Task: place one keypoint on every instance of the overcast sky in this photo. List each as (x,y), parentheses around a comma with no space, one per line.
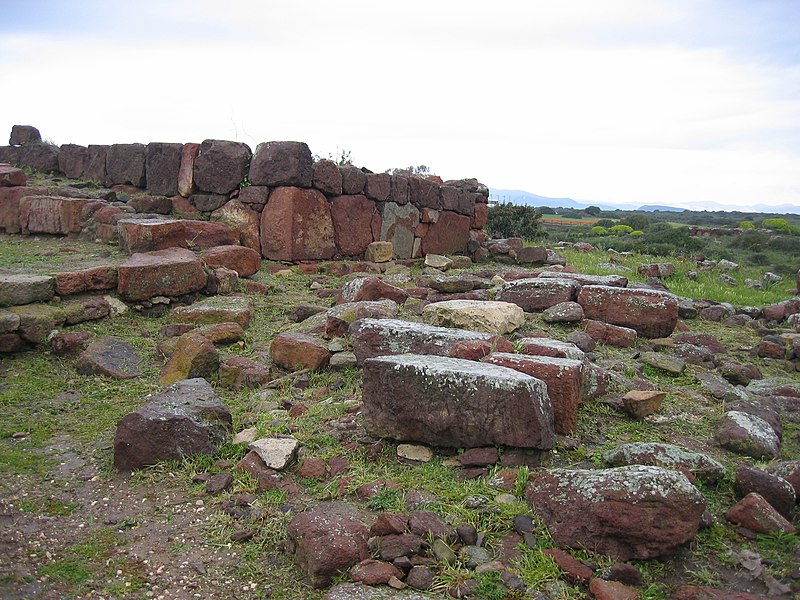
(643,101)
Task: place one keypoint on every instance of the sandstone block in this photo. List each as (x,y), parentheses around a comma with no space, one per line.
(126,164)
(296,224)
(484,316)
(245,261)
(537,294)
(651,313)
(356,224)
(220,166)
(162,166)
(282,164)
(171,272)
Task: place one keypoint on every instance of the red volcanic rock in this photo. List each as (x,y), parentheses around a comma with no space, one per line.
(12,176)
(354,223)
(186,185)
(125,163)
(651,313)
(163,162)
(448,235)
(298,351)
(171,272)
(220,166)
(296,224)
(245,261)
(87,280)
(143,235)
(282,164)
(50,214)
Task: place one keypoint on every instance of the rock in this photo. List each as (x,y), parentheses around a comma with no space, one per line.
(774,489)
(143,235)
(659,270)
(9,321)
(51,214)
(12,176)
(327,540)
(95,169)
(538,294)
(86,280)
(699,592)
(582,279)
(437,261)
(358,591)
(414,452)
(563,312)
(487,317)
(455,403)
(282,163)
(612,590)
(242,220)
(651,313)
(611,335)
(37,321)
(564,379)
(189,154)
(382,337)
(747,434)
(24,135)
(790,471)
(478,457)
(111,358)
(666,455)
(756,514)
(429,525)
(398,224)
(394,546)
(379,252)
(326,177)
(378,186)
(574,570)
(237,373)
(25,289)
(277,452)
(212,311)
(245,261)
(296,351)
(185,419)
(356,224)
(374,572)
(11,342)
(172,272)
(162,165)
(642,403)
(220,166)
(125,164)
(630,512)
(420,577)
(448,235)
(727,265)
(40,157)
(664,362)
(194,356)
(65,344)
(353,179)
(296,224)
(539,346)
(457,283)
(371,288)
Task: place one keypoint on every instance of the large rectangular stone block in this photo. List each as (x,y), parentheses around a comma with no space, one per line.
(455,403)
(536,294)
(651,313)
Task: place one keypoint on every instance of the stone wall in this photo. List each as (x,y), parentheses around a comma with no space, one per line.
(296,208)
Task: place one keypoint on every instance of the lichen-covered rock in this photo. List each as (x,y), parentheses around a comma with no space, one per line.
(109,357)
(664,362)
(666,455)
(219,309)
(171,272)
(537,294)
(194,356)
(25,289)
(564,379)
(185,419)
(379,252)
(12,176)
(242,220)
(540,346)
(398,224)
(773,488)
(651,313)
(383,337)
(563,312)
(747,434)
(634,512)
(370,289)
(143,235)
(51,214)
(582,279)
(327,540)
(756,514)
(454,402)
(9,321)
(37,321)
(86,280)
(611,335)
(790,471)
(487,317)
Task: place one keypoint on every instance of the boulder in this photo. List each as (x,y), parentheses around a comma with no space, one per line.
(774,489)
(635,512)
(72,160)
(282,164)
(86,280)
(40,157)
(356,224)
(564,379)
(327,540)
(747,434)
(666,455)
(126,164)
(296,351)
(326,177)
(245,261)
(194,356)
(398,224)
(25,289)
(185,419)
(486,317)
(95,169)
(23,135)
(172,272)
(186,185)
(382,337)
(145,235)
(228,309)
(51,214)
(220,166)
(455,403)
(651,313)
(448,235)
(111,358)
(243,221)
(163,164)
(296,224)
(537,294)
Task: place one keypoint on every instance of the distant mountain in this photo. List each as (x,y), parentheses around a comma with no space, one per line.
(522,197)
(661,207)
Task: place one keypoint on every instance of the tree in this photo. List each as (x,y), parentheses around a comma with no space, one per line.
(512,220)
(592,210)
(637,221)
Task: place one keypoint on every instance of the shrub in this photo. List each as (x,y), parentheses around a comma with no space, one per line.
(746,225)
(637,233)
(620,229)
(598,230)
(776,224)
(512,220)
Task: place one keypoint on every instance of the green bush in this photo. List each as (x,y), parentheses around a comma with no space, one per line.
(776,224)
(620,229)
(598,230)
(746,225)
(513,220)
(637,233)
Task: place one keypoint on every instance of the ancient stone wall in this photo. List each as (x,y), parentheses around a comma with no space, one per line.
(295,208)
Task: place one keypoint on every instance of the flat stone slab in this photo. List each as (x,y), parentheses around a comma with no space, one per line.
(536,346)
(455,403)
(172,272)
(583,279)
(384,337)
(536,294)
(144,235)
(111,358)
(26,289)
(665,455)
(475,315)
(651,313)
(214,310)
